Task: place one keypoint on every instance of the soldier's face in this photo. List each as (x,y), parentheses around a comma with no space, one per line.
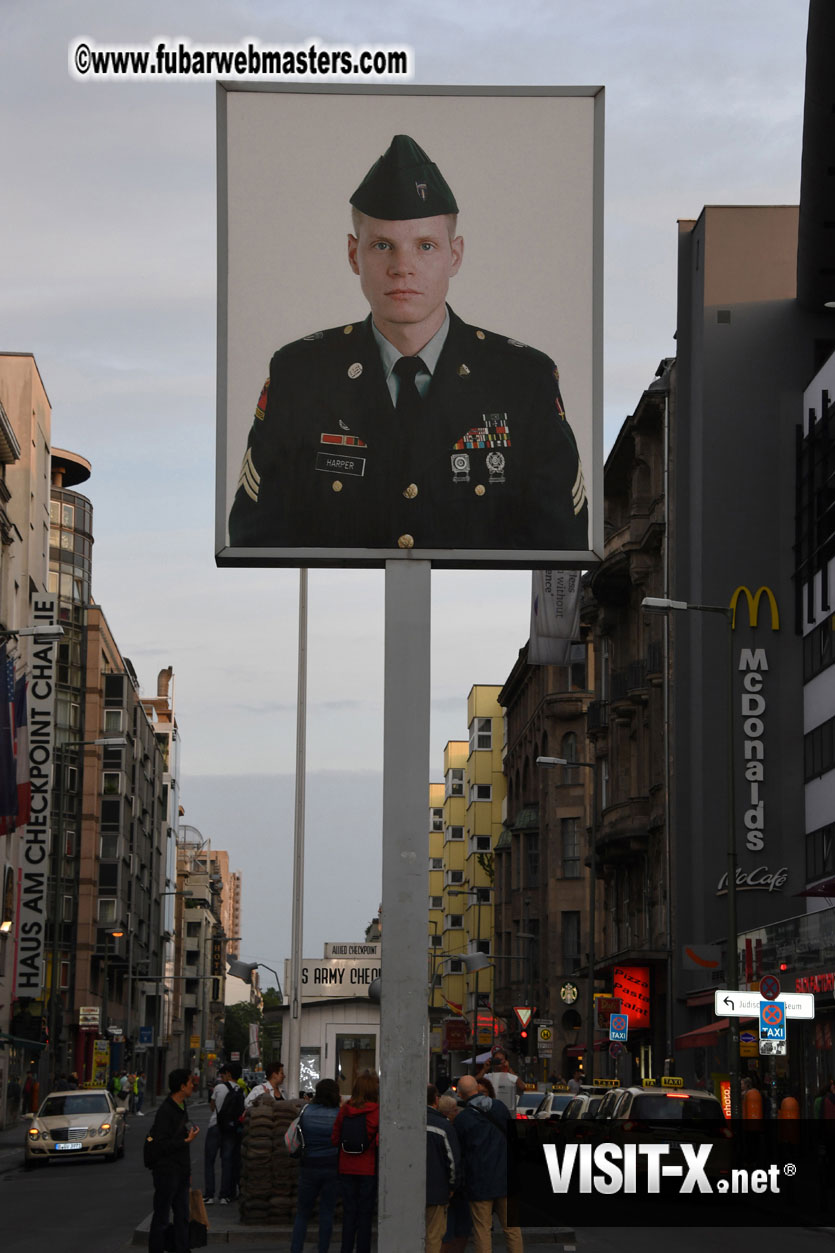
(404,269)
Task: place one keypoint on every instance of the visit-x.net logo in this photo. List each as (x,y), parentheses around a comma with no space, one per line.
(644,1169)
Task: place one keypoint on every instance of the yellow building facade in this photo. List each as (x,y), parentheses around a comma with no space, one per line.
(471,802)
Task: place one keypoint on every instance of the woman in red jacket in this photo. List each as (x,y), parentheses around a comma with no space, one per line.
(356,1131)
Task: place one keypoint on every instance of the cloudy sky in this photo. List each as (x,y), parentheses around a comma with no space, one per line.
(108,277)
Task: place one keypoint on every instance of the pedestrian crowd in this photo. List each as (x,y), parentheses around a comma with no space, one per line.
(469,1171)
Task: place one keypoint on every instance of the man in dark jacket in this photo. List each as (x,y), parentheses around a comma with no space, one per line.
(443,1165)
(482,1128)
(168,1141)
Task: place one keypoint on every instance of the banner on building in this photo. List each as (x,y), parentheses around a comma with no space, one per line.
(33,873)
(555,616)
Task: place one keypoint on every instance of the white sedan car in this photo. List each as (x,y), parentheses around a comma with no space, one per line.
(80,1123)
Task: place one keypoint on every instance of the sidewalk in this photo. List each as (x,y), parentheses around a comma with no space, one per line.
(225,1229)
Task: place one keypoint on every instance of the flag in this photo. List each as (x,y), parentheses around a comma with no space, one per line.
(20,747)
(458,1009)
(8,776)
(555,616)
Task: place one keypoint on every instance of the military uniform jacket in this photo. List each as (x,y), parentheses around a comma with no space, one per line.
(490,462)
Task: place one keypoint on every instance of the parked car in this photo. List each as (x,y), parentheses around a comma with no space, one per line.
(672,1117)
(527,1104)
(553,1105)
(84,1123)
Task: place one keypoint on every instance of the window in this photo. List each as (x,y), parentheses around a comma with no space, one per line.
(69,844)
(64,975)
(569,752)
(455,966)
(482,896)
(454,833)
(570,848)
(818,649)
(531,859)
(819,750)
(454,920)
(437,820)
(480,844)
(481,734)
(481,792)
(436,902)
(114,721)
(107,910)
(111,782)
(454,876)
(436,863)
(66,909)
(455,782)
(435,940)
(480,946)
(109,845)
(570,941)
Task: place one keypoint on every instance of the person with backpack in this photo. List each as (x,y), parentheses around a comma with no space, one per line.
(167,1154)
(356,1132)
(318,1175)
(228,1104)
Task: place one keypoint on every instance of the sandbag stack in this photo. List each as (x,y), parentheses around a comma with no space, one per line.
(269,1181)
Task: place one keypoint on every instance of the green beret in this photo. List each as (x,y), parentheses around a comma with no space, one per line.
(404,184)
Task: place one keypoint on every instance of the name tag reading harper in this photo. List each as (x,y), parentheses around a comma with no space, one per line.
(332,464)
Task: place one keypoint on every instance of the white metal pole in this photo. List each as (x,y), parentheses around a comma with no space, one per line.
(403,1025)
(294,1022)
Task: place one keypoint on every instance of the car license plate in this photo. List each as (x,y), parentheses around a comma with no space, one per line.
(64,1148)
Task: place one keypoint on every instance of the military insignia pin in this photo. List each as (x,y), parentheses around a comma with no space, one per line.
(460,462)
(355,370)
(495,464)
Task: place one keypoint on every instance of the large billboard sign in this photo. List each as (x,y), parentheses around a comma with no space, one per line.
(459,230)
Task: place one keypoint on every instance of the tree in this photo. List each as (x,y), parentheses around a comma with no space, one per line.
(236,1028)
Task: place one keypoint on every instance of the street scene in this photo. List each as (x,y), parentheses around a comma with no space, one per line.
(417,734)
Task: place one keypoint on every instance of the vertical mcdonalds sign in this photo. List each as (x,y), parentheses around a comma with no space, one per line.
(33,874)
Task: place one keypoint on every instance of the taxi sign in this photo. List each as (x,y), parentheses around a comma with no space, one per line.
(605,1083)
(671,1081)
(618,1027)
(772,1021)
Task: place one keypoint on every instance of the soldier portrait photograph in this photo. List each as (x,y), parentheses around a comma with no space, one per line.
(408,427)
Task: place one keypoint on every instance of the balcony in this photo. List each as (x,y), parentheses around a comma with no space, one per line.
(629,685)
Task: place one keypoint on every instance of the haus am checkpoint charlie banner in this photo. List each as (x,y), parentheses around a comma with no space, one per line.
(409,326)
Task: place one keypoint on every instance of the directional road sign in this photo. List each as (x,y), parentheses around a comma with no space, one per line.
(747,1004)
(618,1027)
(772,1021)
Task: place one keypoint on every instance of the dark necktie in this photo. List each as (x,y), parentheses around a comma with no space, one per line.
(409,402)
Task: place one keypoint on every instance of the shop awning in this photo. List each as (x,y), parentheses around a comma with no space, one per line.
(577,1050)
(703,1037)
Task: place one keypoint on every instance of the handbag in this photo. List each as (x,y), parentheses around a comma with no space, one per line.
(294,1137)
(197,1207)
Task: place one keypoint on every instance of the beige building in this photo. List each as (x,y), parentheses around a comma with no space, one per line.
(25,435)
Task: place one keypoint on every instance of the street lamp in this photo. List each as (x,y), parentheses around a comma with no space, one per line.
(41,633)
(662,604)
(592,766)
